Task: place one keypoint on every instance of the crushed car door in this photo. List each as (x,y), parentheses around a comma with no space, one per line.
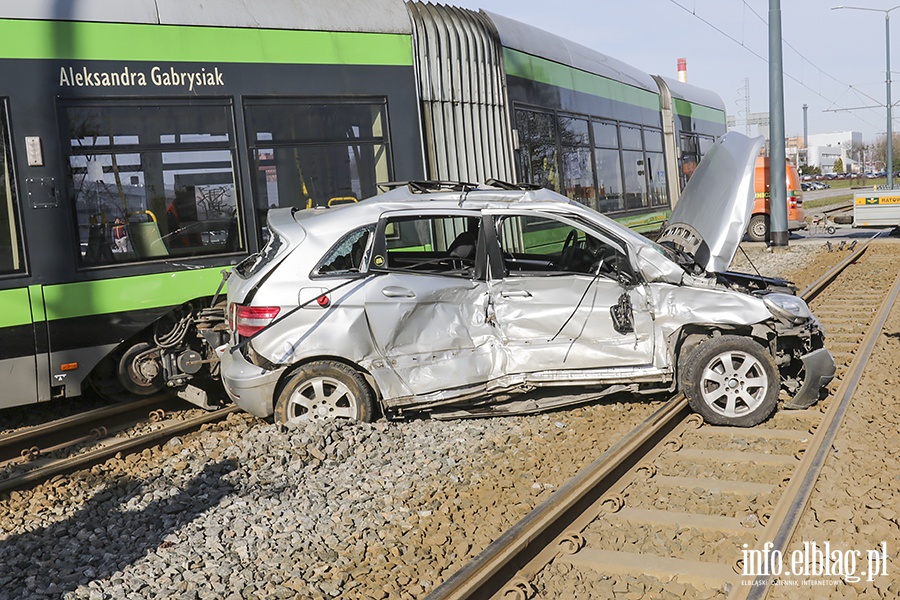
(564,297)
(427,310)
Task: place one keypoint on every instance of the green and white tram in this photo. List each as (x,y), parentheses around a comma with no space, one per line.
(142,143)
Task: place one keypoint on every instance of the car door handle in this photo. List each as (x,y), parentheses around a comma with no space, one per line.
(394,291)
(516,294)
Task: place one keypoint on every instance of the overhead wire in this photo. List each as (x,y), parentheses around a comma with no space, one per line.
(711,25)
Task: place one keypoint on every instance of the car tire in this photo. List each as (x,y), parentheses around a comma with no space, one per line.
(758,228)
(325,390)
(730,380)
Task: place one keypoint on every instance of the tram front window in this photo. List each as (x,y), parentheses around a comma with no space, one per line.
(150,182)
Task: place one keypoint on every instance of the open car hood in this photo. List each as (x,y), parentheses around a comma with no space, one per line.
(711,216)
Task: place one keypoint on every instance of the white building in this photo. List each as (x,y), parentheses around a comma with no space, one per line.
(825,148)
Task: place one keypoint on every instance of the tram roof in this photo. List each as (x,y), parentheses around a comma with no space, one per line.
(374,16)
(692,93)
(537,42)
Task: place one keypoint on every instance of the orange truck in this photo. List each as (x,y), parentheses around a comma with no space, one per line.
(758,229)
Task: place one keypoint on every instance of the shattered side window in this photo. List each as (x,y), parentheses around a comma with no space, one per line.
(348,255)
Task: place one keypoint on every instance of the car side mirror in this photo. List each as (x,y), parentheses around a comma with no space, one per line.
(623,274)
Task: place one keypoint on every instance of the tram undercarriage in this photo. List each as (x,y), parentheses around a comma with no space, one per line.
(178,355)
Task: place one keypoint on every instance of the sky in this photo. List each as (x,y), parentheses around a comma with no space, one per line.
(834,60)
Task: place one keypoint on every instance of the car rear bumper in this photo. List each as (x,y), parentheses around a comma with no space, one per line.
(251,387)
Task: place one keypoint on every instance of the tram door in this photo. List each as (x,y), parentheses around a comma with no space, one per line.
(19,346)
(19,355)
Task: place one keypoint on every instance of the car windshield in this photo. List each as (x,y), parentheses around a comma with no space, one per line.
(597,218)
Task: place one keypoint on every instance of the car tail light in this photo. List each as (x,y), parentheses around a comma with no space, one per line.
(247,320)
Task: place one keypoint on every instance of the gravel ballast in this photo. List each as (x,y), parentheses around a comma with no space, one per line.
(251,509)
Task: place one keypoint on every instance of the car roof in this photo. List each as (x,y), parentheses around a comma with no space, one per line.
(410,196)
(336,221)
(467,194)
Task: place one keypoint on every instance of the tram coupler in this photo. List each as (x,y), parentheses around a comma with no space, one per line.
(197,397)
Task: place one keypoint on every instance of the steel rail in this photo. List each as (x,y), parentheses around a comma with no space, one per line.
(111,448)
(33,443)
(816,287)
(787,513)
(487,573)
(497,565)
(51,427)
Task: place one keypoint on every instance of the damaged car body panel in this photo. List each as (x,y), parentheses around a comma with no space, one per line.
(711,217)
(460,302)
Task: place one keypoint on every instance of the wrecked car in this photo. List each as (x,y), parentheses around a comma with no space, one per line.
(454,300)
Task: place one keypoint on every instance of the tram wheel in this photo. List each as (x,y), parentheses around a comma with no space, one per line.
(141,373)
(104,381)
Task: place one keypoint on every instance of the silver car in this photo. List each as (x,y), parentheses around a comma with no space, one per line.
(457,300)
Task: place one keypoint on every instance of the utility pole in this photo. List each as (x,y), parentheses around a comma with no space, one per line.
(778,231)
(805,137)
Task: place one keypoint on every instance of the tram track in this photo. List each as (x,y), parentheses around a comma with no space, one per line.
(680,501)
(34,454)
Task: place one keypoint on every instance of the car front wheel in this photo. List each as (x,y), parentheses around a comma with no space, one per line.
(325,390)
(730,380)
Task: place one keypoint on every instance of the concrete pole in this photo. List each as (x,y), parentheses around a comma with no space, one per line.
(805,127)
(805,137)
(887,76)
(778,232)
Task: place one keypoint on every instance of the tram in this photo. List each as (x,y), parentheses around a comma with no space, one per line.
(142,143)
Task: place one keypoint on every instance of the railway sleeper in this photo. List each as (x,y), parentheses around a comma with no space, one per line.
(700,574)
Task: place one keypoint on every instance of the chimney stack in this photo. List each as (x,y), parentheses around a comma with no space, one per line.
(682,70)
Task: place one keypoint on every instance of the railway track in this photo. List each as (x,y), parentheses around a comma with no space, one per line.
(37,453)
(678,505)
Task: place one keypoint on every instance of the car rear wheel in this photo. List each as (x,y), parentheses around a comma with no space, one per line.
(730,380)
(325,390)
(758,228)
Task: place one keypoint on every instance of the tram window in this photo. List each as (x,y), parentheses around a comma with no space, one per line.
(610,196)
(574,132)
(656,178)
(538,148)
(655,167)
(609,180)
(151,182)
(576,158)
(606,135)
(631,138)
(635,181)
(317,153)
(10,238)
(690,156)
(705,144)
(653,140)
